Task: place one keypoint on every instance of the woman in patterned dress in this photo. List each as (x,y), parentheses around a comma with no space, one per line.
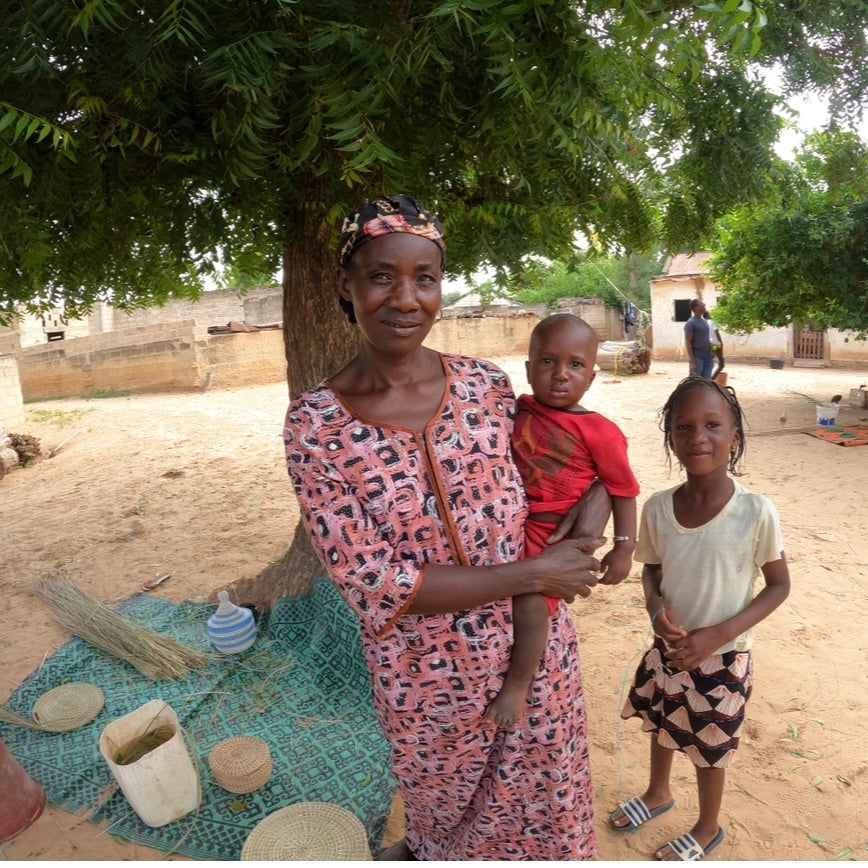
(402,466)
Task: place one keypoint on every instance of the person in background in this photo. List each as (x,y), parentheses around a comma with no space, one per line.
(697,341)
(704,544)
(716,345)
(402,467)
(560,449)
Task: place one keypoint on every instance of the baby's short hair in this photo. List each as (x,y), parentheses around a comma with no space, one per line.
(554,319)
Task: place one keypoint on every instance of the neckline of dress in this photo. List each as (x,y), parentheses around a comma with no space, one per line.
(378,423)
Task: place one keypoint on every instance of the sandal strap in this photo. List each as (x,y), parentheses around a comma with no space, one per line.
(687,848)
(636,811)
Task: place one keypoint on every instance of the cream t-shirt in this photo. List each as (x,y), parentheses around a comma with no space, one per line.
(709,572)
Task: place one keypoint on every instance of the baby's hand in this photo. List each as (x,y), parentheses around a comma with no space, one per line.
(616,566)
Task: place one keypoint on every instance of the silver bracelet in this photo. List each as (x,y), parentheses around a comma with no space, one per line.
(656,615)
(622,539)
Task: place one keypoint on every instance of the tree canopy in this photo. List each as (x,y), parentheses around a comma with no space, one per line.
(801,257)
(140,142)
(143,144)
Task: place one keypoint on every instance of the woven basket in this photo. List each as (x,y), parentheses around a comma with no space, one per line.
(68,707)
(313,831)
(241,764)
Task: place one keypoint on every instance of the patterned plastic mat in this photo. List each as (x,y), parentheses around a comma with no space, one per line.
(303,688)
(843,435)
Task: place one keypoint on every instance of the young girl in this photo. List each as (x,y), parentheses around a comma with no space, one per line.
(703,543)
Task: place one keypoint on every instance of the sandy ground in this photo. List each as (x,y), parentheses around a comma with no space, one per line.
(195,485)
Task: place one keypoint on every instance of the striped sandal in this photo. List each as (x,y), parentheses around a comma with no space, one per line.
(687,848)
(637,812)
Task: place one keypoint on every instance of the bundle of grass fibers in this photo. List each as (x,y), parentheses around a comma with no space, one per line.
(7,715)
(154,655)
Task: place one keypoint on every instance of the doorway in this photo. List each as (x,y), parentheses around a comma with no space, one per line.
(809,346)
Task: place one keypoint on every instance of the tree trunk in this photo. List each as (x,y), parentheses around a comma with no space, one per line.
(318,341)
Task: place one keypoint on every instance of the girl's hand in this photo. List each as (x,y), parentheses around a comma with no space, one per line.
(693,648)
(667,629)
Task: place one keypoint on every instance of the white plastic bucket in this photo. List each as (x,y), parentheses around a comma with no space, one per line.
(827,414)
(162,785)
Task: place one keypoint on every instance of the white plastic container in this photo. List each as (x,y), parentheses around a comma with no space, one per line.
(162,785)
(827,414)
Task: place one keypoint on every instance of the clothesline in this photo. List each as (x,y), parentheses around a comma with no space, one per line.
(616,288)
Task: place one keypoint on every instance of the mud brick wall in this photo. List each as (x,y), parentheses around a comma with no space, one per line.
(11,399)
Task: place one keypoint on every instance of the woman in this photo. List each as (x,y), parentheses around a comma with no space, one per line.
(402,467)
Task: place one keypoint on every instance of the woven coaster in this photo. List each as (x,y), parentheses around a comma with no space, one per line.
(316,831)
(241,764)
(68,707)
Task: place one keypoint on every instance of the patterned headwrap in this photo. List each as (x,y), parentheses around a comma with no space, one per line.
(387,214)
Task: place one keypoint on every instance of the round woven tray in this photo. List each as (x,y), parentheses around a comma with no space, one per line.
(316,831)
(241,764)
(68,707)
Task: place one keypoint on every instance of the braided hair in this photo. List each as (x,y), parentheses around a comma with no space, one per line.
(688,384)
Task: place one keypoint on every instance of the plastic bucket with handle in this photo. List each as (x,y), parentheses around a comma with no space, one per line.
(827,414)
(21,798)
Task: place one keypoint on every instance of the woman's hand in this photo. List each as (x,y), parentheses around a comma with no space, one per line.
(586,518)
(565,569)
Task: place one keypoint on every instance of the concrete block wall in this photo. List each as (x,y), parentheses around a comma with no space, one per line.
(484,337)
(148,358)
(178,357)
(10,339)
(607,322)
(264,307)
(12,414)
(161,358)
(242,359)
(212,308)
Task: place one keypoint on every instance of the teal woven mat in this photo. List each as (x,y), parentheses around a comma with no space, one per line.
(303,688)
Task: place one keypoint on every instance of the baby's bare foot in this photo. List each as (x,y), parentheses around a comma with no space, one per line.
(506,708)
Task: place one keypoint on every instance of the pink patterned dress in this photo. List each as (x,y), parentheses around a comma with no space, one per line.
(380,502)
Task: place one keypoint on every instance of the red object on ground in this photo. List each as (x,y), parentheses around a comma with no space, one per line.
(21,798)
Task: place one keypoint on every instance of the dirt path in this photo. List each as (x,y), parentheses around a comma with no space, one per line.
(195,486)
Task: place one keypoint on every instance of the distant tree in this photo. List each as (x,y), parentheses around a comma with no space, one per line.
(614,279)
(803,257)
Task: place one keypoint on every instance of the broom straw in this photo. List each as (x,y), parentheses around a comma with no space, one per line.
(154,655)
